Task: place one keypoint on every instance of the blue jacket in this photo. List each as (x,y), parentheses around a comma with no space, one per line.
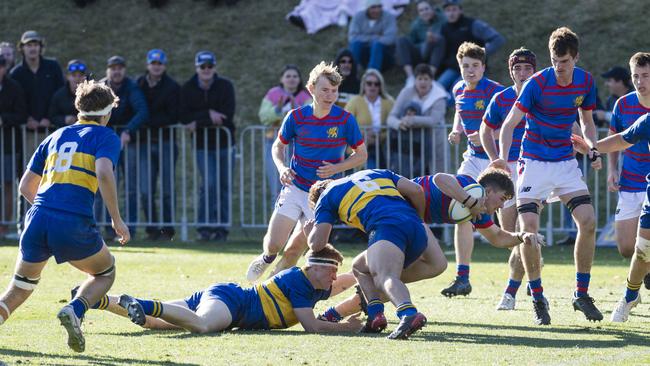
(132,111)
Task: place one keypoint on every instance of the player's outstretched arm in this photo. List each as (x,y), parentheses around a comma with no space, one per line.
(29,185)
(504,239)
(612,143)
(311,324)
(108,190)
(414,193)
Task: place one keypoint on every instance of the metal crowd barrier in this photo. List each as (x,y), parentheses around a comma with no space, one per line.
(161,176)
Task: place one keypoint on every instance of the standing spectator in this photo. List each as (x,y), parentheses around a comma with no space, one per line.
(278,101)
(7,51)
(371,108)
(62,110)
(372,35)
(619,83)
(13,113)
(128,117)
(158,150)
(457,30)
(208,100)
(347,67)
(431,99)
(423,42)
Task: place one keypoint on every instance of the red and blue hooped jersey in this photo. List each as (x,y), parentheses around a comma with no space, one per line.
(471,105)
(437,203)
(551,110)
(318,140)
(638,133)
(496,113)
(636,159)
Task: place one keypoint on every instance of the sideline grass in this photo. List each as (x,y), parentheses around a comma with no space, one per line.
(460,331)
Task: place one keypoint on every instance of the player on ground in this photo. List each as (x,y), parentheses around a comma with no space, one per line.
(401,248)
(321,132)
(61,181)
(472,94)
(280,302)
(630,183)
(550,100)
(521,66)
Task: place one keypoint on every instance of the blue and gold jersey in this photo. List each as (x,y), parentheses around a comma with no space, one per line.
(65,160)
(363,200)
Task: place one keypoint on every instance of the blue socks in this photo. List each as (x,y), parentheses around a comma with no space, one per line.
(462,272)
(375,306)
(582,284)
(536,289)
(632,291)
(151,307)
(513,287)
(80,306)
(406,309)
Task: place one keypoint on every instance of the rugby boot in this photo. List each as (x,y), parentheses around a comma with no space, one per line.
(408,325)
(257,268)
(376,324)
(586,305)
(133,308)
(646,281)
(72,325)
(457,287)
(507,302)
(623,308)
(540,308)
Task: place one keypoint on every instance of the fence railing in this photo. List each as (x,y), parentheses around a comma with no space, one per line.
(174,179)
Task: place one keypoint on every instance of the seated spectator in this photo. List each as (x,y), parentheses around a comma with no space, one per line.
(62,110)
(428,135)
(619,83)
(457,30)
(158,150)
(423,44)
(208,102)
(347,67)
(278,101)
(7,51)
(371,109)
(372,35)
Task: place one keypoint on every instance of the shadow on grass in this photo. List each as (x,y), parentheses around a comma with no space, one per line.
(92,360)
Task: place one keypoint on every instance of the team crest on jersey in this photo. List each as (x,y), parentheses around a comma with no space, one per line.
(479,105)
(333,132)
(578,101)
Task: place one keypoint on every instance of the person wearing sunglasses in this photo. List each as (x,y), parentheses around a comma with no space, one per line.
(208,103)
(347,67)
(62,110)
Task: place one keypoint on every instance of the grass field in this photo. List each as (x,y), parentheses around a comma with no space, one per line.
(460,331)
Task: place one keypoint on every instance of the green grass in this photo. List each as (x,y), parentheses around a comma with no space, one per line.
(460,331)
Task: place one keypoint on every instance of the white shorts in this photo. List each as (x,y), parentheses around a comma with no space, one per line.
(629,205)
(548,180)
(474,166)
(513,177)
(293,203)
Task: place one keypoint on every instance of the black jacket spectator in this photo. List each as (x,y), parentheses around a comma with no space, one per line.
(470,30)
(62,105)
(163,101)
(39,87)
(13,111)
(195,106)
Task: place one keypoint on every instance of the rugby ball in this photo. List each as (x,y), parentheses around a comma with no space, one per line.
(458,213)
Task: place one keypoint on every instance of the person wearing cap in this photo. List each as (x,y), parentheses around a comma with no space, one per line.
(619,83)
(457,30)
(128,117)
(372,35)
(522,64)
(208,107)
(62,111)
(158,150)
(7,50)
(13,114)
(286,299)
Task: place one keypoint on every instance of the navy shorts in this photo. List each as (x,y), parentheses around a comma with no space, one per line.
(230,294)
(64,235)
(409,236)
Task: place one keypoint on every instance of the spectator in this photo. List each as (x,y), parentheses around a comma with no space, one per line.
(431,99)
(7,51)
(423,44)
(62,110)
(278,101)
(619,83)
(457,30)
(158,151)
(347,67)
(130,114)
(208,101)
(371,108)
(372,35)
(13,113)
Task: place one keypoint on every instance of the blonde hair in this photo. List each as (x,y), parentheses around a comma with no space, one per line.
(328,71)
(382,91)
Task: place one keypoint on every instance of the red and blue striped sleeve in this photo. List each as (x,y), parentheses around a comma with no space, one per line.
(353,135)
(589,104)
(616,124)
(288,129)
(530,92)
(492,116)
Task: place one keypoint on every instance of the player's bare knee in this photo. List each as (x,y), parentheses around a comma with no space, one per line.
(586,223)
(626,251)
